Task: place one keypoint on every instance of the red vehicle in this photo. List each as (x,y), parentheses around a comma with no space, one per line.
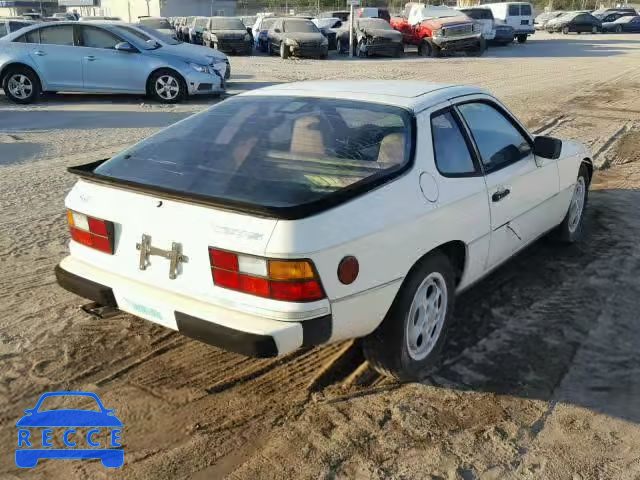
(439,29)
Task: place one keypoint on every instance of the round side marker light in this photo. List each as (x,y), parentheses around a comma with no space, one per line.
(348,269)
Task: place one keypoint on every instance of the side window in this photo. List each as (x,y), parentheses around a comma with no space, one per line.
(15,26)
(59,35)
(31,37)
(94,37)
(449,147)
(525,9)
(498,140)
(514,10)
(3,29)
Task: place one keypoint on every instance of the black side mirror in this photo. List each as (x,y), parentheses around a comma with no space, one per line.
(547,147)
(277,30)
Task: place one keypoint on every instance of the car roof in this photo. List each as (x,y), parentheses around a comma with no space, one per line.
(411,94)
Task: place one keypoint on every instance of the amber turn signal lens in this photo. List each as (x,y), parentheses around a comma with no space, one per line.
(348,270)
(70,218)
(288,270)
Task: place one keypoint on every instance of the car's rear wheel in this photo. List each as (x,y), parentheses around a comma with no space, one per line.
(21,85)
(480,48)
(594,29)
(619,29)
(167,86)
(570,230)
(521,38)
(407,343)
(565,30)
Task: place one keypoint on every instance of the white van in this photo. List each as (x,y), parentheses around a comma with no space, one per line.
(518,15)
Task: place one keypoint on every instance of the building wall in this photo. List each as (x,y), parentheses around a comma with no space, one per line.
(130,10)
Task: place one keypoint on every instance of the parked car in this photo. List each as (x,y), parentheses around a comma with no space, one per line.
(66,16)
(603,12)
(196,29)
(482,17)
(260,32)
(35,16)
(10,25)
(372,36)
(100,19)
(343,15)
(613,16)
(578,22)
(160,24)
(540,22)
(372,12)
(623,24)
(182,28)
(298,37)
(519,15)
(439,29)
(227,34)
(215,58)
(330,28)
(314,222)
(102,58)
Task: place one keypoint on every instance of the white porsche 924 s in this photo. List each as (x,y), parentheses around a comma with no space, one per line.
(307,213)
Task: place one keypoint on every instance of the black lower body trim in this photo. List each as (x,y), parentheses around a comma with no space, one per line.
(85,288)
(251,344)
(316,331)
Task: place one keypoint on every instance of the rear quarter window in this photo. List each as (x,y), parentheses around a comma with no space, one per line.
(272,152)
(514,10)
(525,10)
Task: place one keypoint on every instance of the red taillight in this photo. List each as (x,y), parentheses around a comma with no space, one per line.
(91,232)
(286,280)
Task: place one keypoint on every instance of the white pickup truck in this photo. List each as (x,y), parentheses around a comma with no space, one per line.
(313,212)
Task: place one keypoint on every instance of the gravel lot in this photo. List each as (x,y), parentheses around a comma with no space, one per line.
(542,371)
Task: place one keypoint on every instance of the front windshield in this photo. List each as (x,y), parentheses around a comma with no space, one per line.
(267,23)
(148,42)
(270,151)
(227,24)
(374,23)
(300,26)
(157,23)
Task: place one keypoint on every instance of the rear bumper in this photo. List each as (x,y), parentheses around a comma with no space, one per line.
(524,31)
(234,331)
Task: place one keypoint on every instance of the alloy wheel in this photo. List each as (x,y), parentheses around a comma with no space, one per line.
(426,316)
(167,87)
(20,86)
(576,206)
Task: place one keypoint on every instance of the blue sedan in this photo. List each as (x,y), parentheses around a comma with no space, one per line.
(103,58)
(623,24)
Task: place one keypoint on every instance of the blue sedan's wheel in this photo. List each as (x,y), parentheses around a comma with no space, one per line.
(21,85)
(167,86)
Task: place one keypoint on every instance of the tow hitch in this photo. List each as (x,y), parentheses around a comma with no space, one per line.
(100,311)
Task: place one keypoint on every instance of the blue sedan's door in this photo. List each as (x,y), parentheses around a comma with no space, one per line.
(106,69)
(58,60)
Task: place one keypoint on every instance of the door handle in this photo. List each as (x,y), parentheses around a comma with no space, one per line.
(500,194)
(90,58)
(39,53)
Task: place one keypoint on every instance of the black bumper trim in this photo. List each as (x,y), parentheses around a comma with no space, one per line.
(251,344)
(82,287)
(316,331)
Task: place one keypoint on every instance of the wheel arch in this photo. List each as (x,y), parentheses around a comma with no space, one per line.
(588,163)
(6,68)
(165,68)
(455,250)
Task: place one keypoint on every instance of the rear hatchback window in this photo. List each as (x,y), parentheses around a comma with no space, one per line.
(272,152)
(525,9)
(514,10)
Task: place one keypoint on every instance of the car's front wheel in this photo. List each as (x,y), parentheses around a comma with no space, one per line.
(407,343)
(167,86)
(570,230)
(21,85)
(618,28)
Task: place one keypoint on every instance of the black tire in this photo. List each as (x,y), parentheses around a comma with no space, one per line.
(480,48)
(227,74)
(399,51)
(172,79)
(594,30)
(26,90)
(325,54)
(522,38)
(618,28)
(284,51)
(565,30)
(566,232)
(360,53)
(387,348)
